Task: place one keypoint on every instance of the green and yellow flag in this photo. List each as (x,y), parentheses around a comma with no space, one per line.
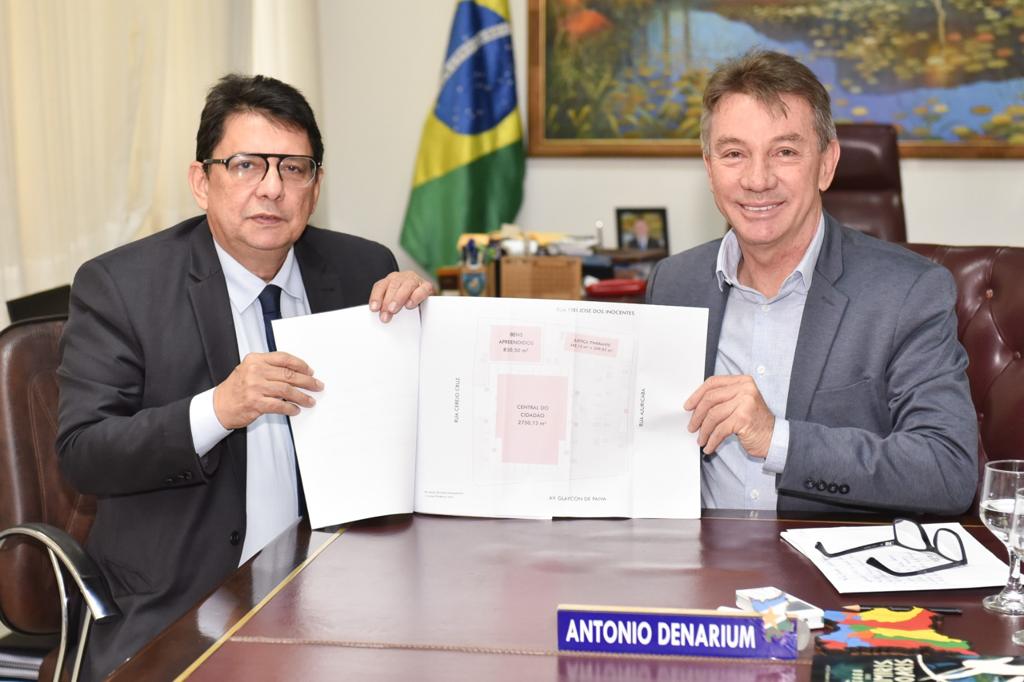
(469,172)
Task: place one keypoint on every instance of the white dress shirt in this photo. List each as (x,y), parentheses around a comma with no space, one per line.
(271,493)
(758,339)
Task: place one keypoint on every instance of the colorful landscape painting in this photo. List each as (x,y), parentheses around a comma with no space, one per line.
(626,76)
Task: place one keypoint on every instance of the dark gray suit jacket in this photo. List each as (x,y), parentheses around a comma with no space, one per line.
(879,405)
(150,327)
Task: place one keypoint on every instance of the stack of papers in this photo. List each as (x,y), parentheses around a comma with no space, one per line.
(851,573)
(19,666)
(573,246)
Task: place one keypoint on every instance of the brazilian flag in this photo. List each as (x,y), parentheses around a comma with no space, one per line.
(469,172)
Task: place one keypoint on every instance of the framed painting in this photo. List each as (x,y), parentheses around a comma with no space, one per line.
(625,77)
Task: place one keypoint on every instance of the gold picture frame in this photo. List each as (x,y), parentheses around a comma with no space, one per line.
(624,77)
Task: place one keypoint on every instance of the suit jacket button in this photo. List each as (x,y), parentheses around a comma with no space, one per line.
(810,483)
(843,489)
(833,488)
(169,480)
(186,475)
(236,537)
(822,486)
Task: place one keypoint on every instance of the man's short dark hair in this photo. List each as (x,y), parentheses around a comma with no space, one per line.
(269,97)
(767,76)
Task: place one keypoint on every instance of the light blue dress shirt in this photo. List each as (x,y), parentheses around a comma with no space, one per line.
(758,339)
(271,488)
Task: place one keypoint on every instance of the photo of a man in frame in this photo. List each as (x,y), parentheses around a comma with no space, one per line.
(642,229)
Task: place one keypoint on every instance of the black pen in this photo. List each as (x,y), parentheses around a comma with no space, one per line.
(947,610)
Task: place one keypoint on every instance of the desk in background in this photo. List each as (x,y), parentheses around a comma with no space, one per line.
(438,598)
(558,276)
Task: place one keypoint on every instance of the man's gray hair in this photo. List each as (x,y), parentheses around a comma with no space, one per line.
(767,76)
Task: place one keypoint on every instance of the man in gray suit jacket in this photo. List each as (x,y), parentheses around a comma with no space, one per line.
(835,377)
(173,399)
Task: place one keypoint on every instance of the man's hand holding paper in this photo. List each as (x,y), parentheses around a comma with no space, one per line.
(264,383)
(731,405)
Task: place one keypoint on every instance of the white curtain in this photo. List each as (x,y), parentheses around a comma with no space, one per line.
(99,104)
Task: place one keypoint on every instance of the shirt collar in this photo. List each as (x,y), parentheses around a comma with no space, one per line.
(729,257)
(245,287)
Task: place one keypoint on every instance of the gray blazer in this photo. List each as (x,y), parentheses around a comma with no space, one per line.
(149,327)
(879,406)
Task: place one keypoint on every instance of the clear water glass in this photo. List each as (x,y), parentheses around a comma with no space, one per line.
(1017,542)
(1000,485)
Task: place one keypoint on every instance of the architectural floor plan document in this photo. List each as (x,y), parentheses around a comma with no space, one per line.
(500,407)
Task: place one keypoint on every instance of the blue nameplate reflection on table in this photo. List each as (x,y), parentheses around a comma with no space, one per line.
(674,632)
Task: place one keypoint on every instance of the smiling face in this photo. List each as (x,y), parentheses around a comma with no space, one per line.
(256,224)
(767,170)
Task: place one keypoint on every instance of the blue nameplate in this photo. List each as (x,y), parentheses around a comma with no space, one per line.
(674,632)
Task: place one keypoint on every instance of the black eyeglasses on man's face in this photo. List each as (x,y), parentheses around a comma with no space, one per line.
(249,168)
(911,535)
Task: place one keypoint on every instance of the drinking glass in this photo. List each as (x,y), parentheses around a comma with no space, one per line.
(1017,541)
(999,488)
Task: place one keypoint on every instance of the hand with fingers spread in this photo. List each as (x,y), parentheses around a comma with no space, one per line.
(264,383)
(731,405)
(397,290)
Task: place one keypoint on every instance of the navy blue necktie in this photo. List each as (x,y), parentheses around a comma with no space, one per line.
(270,301)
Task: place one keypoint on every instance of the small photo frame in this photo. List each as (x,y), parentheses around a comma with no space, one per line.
(642,229)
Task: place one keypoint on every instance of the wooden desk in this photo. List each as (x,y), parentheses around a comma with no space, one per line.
(460,598)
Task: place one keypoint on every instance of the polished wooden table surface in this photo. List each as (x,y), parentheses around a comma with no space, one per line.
(443,598)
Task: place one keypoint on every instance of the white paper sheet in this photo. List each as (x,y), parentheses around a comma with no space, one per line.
(357,446)
(850,573)
(558,408)
(526,408)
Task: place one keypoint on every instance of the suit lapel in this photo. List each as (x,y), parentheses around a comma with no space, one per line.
(823,313)
(208,293)
(322,284)
(717,300)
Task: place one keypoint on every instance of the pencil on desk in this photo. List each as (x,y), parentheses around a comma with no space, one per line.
(947,610)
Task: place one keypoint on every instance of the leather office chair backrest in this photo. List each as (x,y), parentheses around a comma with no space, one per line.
(866,193)
(49,303)
(990,308)
(31,486)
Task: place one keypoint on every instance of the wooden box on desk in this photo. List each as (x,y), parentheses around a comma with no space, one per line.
(541,277)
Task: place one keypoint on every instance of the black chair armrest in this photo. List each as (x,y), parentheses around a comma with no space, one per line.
(79,566)
(69,560)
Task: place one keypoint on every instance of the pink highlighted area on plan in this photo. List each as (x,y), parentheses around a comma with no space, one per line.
(592,345)
(515,343)
(531,417)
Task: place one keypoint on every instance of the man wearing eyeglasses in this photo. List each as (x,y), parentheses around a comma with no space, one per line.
(173,400)
(835,380)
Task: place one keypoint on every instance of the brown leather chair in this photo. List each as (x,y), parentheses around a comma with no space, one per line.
(49,303)
(990,308)
(866,193)
(47,583)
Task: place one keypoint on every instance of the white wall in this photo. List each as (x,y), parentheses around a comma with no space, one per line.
(380,65)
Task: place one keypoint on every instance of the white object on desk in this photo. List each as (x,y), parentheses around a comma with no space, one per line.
(761,599)
(850,573)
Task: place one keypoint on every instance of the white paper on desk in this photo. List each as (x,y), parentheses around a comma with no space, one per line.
(851,573)
(356,447)
(558,408)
